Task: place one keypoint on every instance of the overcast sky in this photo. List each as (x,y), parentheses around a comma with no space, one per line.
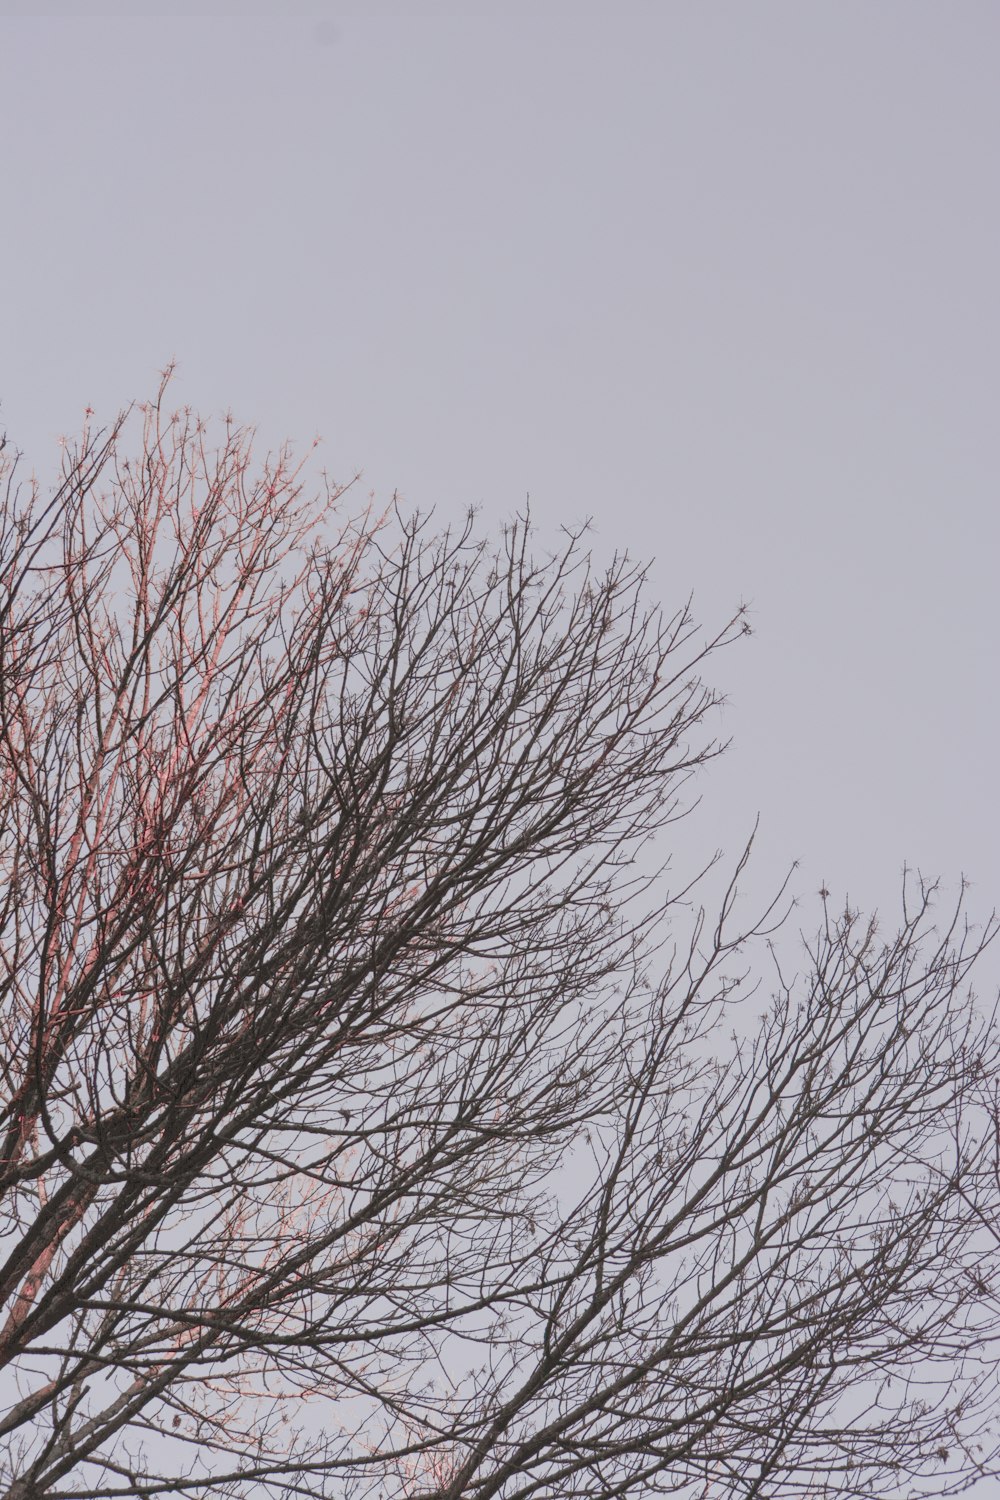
(721,276)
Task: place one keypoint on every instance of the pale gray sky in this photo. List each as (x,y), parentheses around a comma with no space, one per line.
(722,276)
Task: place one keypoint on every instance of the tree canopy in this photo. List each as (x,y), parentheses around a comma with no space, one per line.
(380,1115)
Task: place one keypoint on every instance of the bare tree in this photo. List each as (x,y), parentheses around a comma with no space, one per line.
(368,1128)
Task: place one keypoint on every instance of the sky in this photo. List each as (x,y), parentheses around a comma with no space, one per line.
(720,276)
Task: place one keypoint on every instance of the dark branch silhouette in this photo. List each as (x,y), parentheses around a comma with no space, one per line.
(372,1119)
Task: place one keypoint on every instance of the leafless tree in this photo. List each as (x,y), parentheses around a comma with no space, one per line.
(377,1121)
